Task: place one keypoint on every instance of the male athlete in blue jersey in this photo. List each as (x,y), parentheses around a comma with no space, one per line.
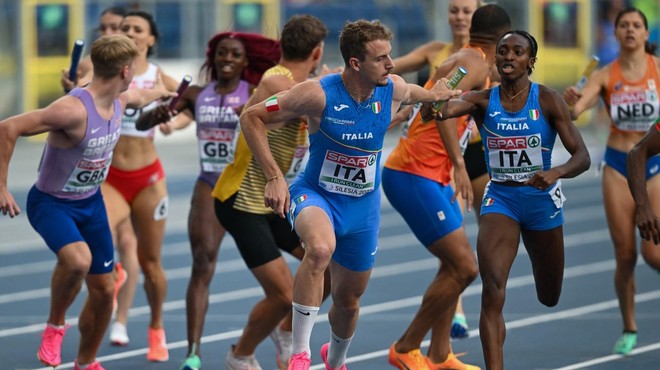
(334,205)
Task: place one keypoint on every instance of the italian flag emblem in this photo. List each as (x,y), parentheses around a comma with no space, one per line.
(657,124)
(534,114)
(301,199)
(376,107)
(271,104)
(488,202)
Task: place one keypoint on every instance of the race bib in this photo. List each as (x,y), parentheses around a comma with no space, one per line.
(216,148)
(347,174)
(557,195)
(87,175)
(634,110)
(514,158)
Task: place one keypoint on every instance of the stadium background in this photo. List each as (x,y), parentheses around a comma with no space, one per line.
(36,36)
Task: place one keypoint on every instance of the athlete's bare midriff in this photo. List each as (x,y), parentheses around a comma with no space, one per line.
(133,153)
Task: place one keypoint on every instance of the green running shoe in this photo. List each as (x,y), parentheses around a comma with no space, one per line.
(625,344)
(192,363)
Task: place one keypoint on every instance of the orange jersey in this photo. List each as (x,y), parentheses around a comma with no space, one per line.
(422,152)
(633,105)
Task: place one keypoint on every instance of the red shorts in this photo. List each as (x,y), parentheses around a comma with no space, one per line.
(130,183)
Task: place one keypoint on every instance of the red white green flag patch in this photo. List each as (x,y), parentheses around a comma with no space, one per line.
(272,105)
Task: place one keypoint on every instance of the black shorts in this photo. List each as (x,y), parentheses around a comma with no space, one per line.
(258,237)
(475,162)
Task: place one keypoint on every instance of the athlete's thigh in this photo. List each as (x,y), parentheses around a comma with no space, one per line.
(546,253)
(619,209)
(118,209)
(204,229)
(497,246)
(149,212)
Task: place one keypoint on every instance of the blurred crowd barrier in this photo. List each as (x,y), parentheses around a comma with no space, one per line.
(36,36)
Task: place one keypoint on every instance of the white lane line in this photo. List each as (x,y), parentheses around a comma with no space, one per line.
(610,358)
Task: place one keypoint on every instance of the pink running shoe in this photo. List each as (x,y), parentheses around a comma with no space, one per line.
(93,366)
(51,345)
(157,346)
(300,361)
(324,357)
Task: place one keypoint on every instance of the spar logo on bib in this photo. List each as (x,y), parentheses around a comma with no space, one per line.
(534,114)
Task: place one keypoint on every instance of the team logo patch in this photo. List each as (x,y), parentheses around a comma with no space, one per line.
(376,107)
(488,202)
(534,114)
(272,105)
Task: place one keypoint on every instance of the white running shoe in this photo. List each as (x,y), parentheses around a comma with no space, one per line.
(118,334)
(284,345)
(241,362)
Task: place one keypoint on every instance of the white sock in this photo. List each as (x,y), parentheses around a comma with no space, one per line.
(337,351)
(303,323)
(56,326)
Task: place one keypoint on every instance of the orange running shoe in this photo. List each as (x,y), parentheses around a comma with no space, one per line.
(157,346)
(120,280)
(413,360)
(451,363)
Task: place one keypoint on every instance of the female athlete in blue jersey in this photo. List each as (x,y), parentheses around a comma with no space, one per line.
(519,121)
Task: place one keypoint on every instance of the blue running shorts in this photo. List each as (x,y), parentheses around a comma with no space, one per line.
(64,221)
(532,208)
(356,222)
(424,204)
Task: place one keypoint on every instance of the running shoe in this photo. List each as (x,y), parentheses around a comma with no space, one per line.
(192,362)
(234,362)
(413,360)
(284,345)
(625,344)
(324,357)
(118,334)
(300,361)
(122,276)
(93,366)
(157,351)
(51,345)
(459,327)
(452,362)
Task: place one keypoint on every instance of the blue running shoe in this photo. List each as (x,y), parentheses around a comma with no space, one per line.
(459,327)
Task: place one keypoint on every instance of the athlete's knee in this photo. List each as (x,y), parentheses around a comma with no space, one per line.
(549,295)
(76,266)
(347,307)
(493,294)
(468,271)
(626,259)
(203,262)
(318,254)
(151,269)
